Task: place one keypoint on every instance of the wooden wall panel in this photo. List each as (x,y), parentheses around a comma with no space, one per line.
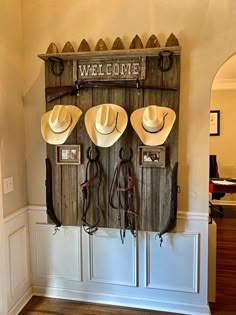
(153,186)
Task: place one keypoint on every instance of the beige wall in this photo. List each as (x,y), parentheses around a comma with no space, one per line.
(224,145)
(206,31)
(12,135)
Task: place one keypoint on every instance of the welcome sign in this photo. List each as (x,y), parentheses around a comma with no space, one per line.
(112,69)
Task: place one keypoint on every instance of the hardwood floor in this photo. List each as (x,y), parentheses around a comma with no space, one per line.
(225,264)
(48,306)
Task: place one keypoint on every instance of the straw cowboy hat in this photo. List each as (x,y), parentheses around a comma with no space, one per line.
(58,123)
(105,124)
(153,123)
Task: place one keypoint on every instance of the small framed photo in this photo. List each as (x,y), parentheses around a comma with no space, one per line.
(152,156)
(214,123)
(68,154)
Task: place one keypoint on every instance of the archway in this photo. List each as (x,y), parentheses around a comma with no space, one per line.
(223,147)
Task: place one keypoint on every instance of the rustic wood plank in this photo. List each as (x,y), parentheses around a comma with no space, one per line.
(68,48)
(101,45)
(118,44)
(52,80)
(152,42)
(69,182)
(153,185)
(52,49)
(172,41)
(84,46)
(102,96)
(136,43)
(111,53)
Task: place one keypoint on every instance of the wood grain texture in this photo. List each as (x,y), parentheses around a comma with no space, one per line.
(152,185)
(52,80)
(42,306)
(225,265)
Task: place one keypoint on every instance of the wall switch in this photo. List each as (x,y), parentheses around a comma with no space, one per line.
(8,185)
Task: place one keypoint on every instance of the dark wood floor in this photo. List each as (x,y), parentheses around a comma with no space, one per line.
(48,306)
(225,282)
(225,264)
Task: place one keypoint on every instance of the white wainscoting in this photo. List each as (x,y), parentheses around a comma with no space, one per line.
(173,275)
(17,257)
(98,268)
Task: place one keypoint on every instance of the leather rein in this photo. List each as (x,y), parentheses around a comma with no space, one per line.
(92,177)
(121,195)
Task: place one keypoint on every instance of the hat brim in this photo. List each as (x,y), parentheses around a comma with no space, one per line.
(149,138)
(103,140)
(59,138)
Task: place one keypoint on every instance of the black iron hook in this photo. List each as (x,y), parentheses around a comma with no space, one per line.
(56,61)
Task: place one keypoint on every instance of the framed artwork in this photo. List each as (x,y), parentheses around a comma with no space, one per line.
(214,123)
(150,156)
(68,154)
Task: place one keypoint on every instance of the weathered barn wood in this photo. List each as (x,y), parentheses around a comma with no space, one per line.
(153,185)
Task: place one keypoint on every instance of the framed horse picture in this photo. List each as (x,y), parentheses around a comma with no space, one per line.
(150,156)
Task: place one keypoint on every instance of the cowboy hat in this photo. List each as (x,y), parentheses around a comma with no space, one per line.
(58,123)
(105,124)
(153,123)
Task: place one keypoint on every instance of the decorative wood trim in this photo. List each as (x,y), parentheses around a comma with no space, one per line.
(110,53)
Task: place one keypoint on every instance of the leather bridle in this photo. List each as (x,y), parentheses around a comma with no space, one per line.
(92,176)
(121,195)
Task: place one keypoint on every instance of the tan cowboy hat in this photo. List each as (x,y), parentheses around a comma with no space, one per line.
(58,123)
(153,123)
(105,124)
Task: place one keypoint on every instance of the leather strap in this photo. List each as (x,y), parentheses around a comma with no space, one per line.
(121,196)
(93,167)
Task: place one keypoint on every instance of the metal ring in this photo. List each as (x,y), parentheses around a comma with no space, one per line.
(56,61)
(165,54)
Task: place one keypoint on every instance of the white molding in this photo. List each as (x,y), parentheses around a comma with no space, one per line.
(134,254)
(21,302)
(77,273)
(194,288)
(194,216)
(15,214)
(15,289)
(37,208)
(126,301)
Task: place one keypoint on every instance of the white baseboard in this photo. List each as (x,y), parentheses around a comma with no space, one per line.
(109,299)
(21,303)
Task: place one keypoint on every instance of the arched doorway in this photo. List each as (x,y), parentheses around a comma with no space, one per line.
(223,147)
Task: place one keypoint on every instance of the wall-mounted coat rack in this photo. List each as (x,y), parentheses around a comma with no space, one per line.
(154,79)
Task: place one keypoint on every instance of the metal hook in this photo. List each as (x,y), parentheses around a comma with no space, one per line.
(58,61)
(121,155)
(165,54)
(89,154)
(56,229)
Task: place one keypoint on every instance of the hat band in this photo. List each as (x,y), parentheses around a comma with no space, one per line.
(163,123)
(108,133)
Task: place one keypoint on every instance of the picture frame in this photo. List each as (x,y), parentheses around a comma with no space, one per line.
(68,154)
(152,156)
(214,122)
